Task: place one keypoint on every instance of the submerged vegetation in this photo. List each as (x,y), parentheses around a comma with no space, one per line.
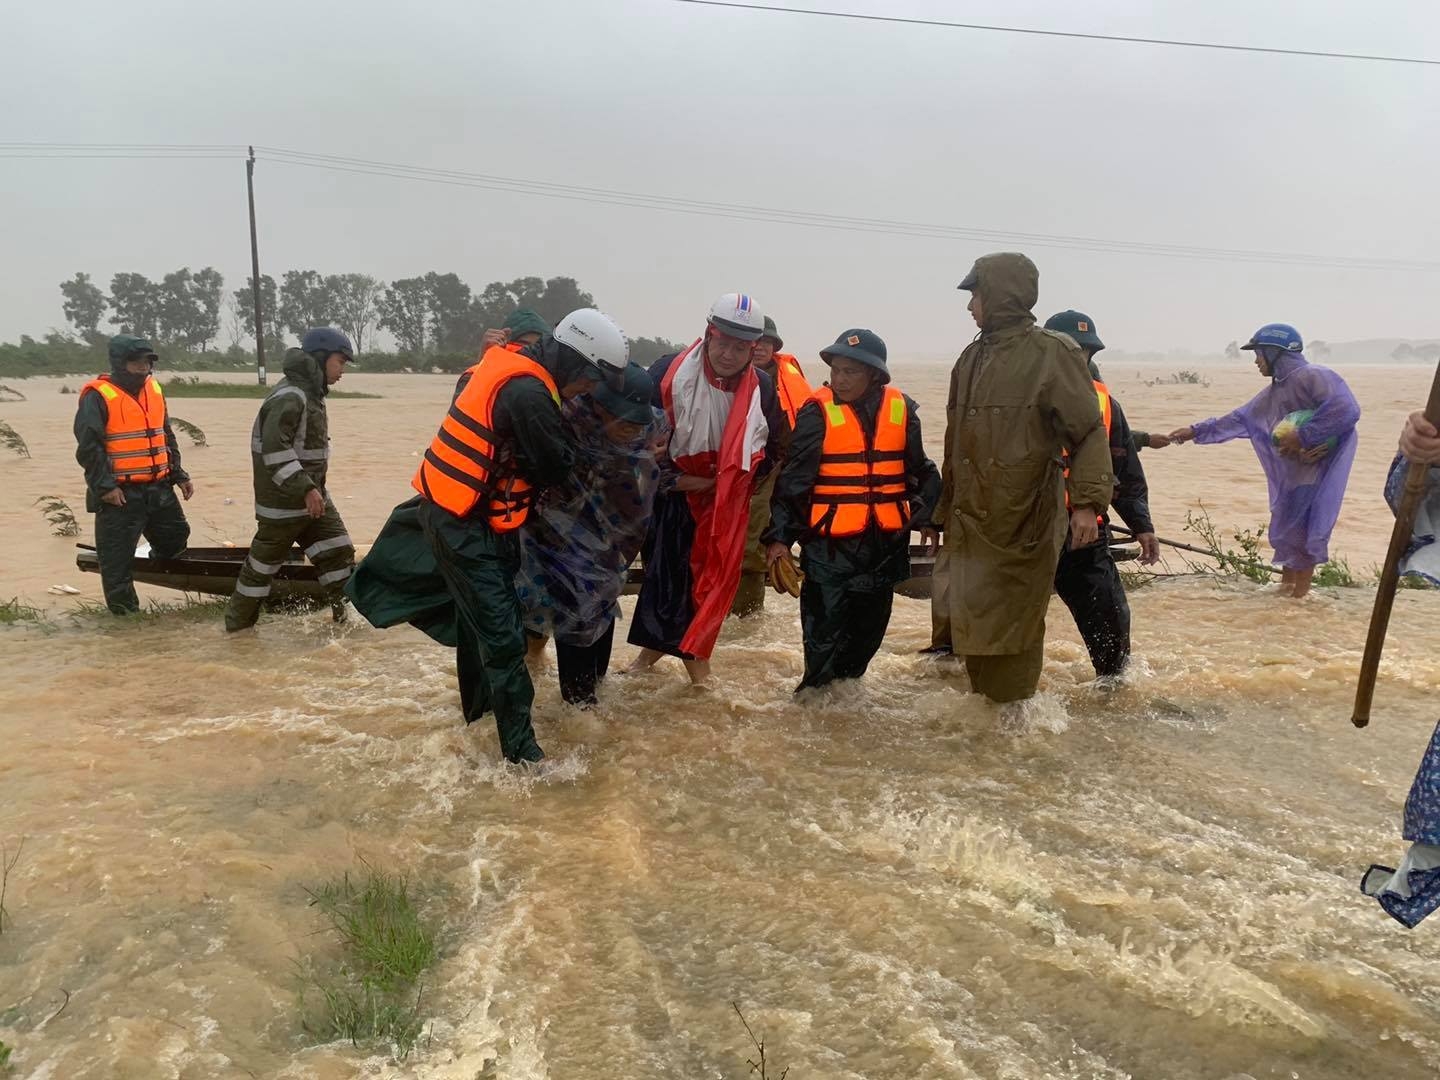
(374,991)
(1246,562)
(11,439)
(58,513)
(196,433)
(13,611)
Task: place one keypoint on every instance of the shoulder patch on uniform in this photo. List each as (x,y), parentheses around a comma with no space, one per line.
(1061,336)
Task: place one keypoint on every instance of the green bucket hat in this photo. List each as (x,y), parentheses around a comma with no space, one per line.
(126,347)
(862,346)
(525,321)
(772,333)
(1077,326)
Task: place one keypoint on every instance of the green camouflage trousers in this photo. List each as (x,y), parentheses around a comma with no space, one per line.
(324,542)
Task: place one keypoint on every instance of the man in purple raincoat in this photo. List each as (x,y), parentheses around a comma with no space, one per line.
(1307,463)
(1412,891)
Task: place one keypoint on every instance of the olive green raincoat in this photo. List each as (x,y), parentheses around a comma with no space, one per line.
(1019,395)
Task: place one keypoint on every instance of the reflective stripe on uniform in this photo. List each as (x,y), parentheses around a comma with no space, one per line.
(334,576)
(256,592)
(279,456)
(322,546)
(322,454)
(268,569)
(277,514)
(285,471)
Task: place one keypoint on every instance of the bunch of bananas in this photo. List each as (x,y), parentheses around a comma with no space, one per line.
(784,577)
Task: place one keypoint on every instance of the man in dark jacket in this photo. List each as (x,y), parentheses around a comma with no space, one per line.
(852,517)
(131,460)
(1087,578)
(448,568)
(290,456)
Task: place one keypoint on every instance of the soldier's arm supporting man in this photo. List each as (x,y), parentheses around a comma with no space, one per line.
(1132,493)
(790,505)
(543,451)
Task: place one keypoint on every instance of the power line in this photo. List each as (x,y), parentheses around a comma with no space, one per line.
(722,210)
(733,211)
(1178,43)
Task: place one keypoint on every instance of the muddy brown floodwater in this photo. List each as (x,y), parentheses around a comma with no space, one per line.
(895,881)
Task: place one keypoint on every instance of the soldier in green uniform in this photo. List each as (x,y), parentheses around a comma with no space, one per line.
(290,452)
(124,442)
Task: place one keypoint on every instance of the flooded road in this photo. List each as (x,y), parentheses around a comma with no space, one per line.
(896,880)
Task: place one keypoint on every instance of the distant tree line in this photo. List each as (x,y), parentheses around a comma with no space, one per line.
(436,319)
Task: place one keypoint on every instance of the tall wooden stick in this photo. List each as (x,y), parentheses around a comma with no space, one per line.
(1390,576)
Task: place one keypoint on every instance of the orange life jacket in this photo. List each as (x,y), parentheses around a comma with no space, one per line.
(462,467)
(862,478)
(1107,413)
(791,385)
(134,431)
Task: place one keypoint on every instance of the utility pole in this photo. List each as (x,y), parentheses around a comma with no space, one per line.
(255,271)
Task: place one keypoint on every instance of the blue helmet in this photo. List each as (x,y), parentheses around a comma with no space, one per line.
(327,340)
(1280,335)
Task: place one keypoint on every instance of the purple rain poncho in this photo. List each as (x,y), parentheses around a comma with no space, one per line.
(585,532)
(1304,498)
(1412,891)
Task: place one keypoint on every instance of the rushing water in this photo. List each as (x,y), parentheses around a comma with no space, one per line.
(893,880)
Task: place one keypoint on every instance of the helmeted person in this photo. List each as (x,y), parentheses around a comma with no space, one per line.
(793,391)
(1019,397)
(125,444)
(726,428)
(521,327)
(1302,428)
(855,477)
(290,464)
(586,530)
(1087,579)
(446,560)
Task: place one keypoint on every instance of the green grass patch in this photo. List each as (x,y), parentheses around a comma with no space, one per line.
(1336,574)
(4,1056)
(373,993)
(13,611)
(190,608)
(192,386)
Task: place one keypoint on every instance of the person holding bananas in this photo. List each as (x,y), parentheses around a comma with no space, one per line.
(855,477)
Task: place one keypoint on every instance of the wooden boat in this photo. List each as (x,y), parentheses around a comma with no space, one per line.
(212,571)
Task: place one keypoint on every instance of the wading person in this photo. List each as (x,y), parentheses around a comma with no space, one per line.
(1019,398)
(290,459)
(1302,427)
(587,529)
(855,476)
(793,391)
(725,431)
(124,443)
(1087,579)
(446,561)
(1412,891)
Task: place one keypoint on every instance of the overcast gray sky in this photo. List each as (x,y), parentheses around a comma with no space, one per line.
(946,127)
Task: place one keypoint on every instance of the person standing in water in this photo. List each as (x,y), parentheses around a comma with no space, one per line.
(793,391)
(446,560)
(290,455)
(1087,579)
(124,442)
(725,434)
(1019,397)
(1412,891)
(1306,460)
(855,477)
(587,529)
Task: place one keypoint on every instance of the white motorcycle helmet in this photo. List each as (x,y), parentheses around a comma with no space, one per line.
(595,336)
(736,315)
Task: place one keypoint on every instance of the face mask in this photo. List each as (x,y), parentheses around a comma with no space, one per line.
(129,381)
